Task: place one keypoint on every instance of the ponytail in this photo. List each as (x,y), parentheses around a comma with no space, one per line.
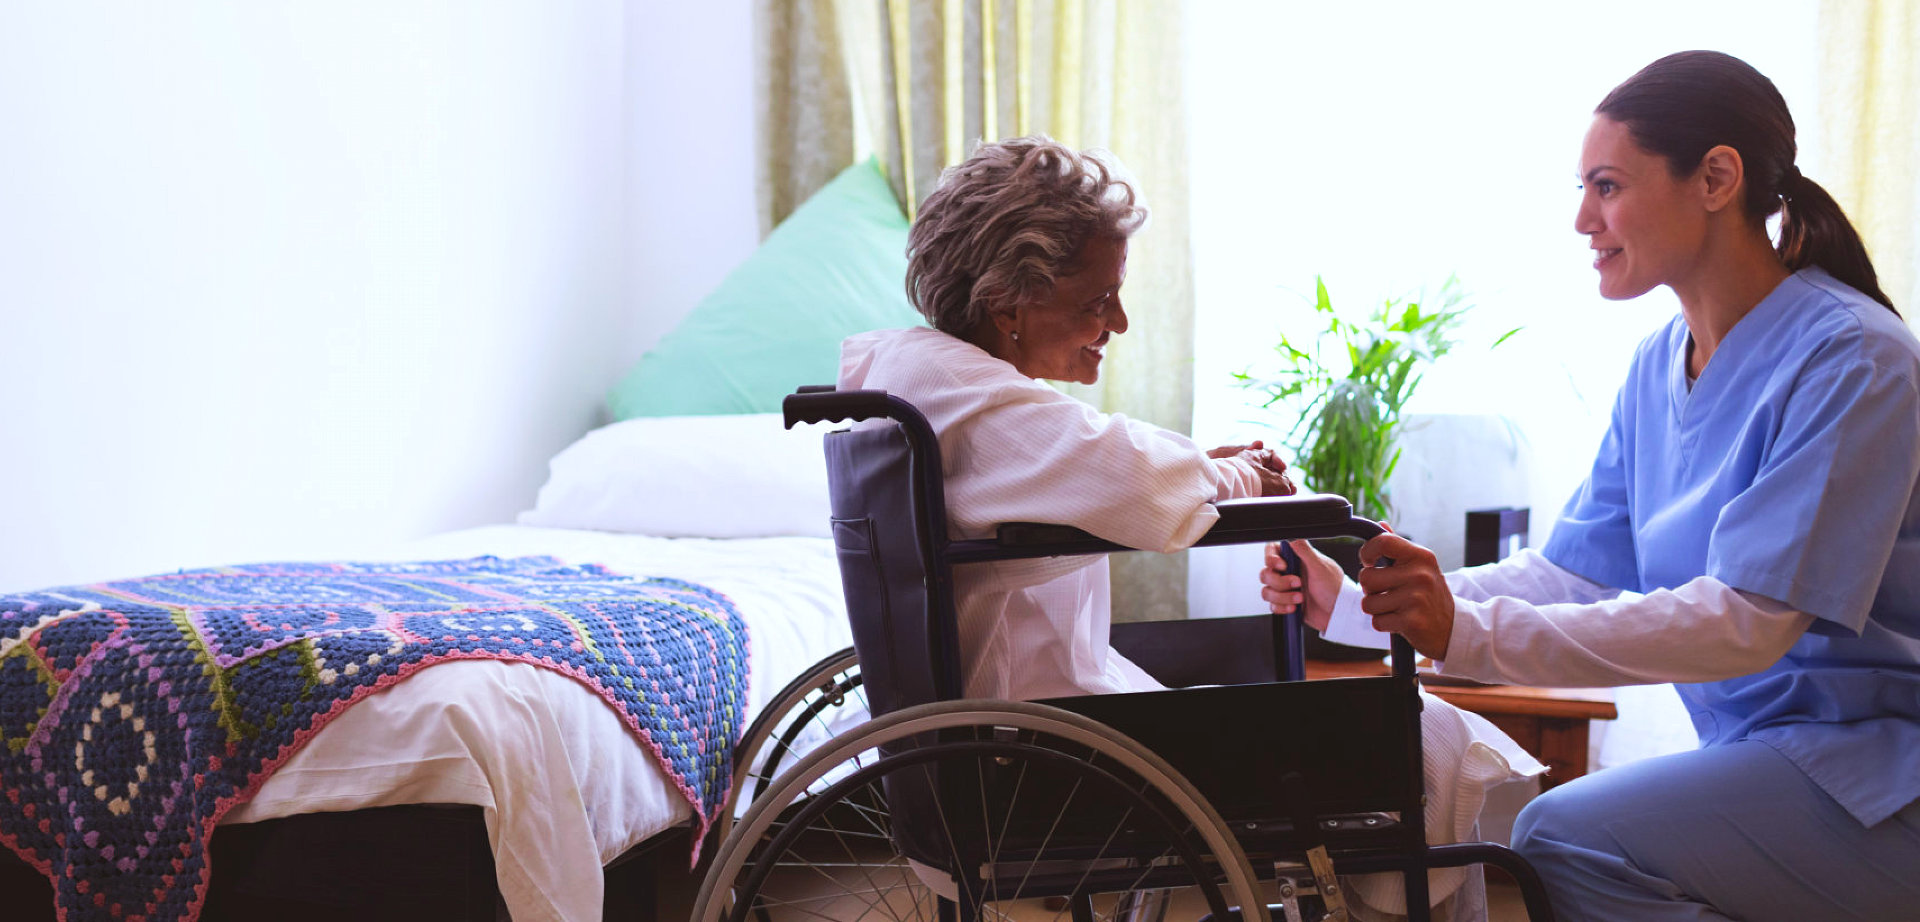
(1688,103)
(1815,232)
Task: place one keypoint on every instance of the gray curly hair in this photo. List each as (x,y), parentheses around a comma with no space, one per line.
(1002,226)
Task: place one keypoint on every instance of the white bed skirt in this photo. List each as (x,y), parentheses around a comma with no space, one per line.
(564,786)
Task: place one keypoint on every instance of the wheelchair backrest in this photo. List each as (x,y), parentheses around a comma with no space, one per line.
(899,599)
(888,502)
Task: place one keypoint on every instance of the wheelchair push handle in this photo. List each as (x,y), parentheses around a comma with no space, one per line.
(824,403)
(1403,652)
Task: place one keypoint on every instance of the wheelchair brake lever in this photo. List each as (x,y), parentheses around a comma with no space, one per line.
(1299,802)
(1328,885)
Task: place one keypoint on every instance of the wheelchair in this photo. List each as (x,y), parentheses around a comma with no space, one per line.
(1239,787)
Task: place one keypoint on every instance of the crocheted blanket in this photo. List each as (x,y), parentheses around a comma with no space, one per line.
(134,714)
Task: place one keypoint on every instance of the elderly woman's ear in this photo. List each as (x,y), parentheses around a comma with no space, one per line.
(997,331)
(1006,320)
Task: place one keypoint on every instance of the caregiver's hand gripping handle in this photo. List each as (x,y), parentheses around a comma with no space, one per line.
(1318,588)
(1402,588)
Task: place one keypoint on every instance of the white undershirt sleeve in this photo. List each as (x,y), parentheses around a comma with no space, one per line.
(1526,575)
(1702,631)
(1530,576)
(1527,621)
(1351,626)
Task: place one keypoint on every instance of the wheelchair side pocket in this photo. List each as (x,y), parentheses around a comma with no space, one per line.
(863,576)
(861,571)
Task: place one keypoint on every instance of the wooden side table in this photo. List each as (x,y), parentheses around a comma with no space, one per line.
(1550,723)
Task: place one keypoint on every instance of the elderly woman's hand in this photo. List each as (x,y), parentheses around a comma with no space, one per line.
(1283,591)
(1272,471)
(1228,451)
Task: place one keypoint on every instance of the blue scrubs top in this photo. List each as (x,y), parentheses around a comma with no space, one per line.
(1788,470)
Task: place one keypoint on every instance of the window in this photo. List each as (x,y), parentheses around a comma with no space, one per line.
(1386,145)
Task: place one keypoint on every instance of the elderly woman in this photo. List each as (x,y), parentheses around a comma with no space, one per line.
(1017,260)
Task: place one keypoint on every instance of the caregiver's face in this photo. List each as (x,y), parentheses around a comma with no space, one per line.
(1064,336)
(1646,226)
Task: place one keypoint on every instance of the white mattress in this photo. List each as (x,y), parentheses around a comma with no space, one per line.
(565,788)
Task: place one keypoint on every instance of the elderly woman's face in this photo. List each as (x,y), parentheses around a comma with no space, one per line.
(1064,336)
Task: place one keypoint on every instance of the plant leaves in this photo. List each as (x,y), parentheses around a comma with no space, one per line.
(1346,420)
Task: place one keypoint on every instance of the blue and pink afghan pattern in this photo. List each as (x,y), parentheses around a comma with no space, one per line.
(134,714)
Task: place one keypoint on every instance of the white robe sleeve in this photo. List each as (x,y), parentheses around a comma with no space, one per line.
(1016,450)
(1057,460)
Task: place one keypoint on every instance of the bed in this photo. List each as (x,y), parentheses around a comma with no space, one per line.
(562,788)
(697,481)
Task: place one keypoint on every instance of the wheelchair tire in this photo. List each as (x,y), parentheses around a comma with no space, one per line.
(819,842)
(810,702)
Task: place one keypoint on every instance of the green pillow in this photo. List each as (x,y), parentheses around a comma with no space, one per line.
(835,267)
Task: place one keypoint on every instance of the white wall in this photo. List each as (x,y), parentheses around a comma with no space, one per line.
(289,280)
(690,74)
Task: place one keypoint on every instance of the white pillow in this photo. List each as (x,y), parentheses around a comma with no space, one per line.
(737,476)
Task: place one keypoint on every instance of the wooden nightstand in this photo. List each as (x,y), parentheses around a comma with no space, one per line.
(1551,723)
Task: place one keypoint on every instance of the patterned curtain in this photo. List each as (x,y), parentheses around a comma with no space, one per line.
(919,83)
(1870,106)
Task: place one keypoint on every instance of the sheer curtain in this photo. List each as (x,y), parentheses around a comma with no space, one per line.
(918,83)
(1870,93)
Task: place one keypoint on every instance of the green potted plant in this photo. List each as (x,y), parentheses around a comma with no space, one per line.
(1346,388)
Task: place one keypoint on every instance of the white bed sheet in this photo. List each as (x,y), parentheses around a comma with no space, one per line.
(563,785)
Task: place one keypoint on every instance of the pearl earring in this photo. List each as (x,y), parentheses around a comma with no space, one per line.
(1016,336)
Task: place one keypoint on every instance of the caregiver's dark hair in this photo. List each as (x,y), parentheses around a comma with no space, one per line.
(1688,103)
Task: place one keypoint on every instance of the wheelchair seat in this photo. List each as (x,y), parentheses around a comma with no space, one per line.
(1105,802)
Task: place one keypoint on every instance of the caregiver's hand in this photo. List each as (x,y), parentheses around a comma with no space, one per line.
(1410,597)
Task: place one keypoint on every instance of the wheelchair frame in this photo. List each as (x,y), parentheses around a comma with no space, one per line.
(904,620)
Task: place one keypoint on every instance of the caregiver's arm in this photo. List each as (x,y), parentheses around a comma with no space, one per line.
(1526,575)
(1701,631)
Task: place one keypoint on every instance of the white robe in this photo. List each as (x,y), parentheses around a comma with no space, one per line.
(1013,449)
(1016,450)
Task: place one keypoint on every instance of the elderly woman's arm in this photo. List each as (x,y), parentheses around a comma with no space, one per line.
(1033,454)
(1017,450)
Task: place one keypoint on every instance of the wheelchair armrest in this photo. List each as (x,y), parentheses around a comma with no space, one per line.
(1242,521)
(1202,651)
(1272,518)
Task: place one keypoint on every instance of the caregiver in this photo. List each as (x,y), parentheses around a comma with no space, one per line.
(1749,531)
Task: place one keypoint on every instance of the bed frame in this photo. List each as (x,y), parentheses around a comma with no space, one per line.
(414,863)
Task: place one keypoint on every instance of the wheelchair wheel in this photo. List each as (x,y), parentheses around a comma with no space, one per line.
(976,810)
(815,706)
